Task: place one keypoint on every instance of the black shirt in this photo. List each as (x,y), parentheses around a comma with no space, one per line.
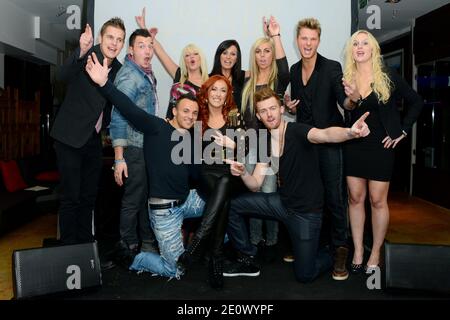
(326,89)
(306,97)
(167,180)
(300,188)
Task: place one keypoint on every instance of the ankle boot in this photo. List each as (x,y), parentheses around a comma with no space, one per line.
(215,272)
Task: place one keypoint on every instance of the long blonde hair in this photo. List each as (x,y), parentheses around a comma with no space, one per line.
(203,67)
(382,85)
(250,87)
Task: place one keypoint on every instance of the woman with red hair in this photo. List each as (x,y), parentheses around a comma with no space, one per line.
(219,117)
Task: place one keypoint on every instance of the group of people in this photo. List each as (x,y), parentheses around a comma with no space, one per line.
(310,163)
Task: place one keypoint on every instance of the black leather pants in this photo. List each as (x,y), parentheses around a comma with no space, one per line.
(219,186)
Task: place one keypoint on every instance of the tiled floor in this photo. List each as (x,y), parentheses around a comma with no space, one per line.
(412,220)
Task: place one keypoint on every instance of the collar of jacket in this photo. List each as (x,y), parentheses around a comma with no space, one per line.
(132,63)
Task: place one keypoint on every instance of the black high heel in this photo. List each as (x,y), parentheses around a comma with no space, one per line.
(357,268)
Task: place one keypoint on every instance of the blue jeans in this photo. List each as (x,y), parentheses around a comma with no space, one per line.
(303,228)
(166,224)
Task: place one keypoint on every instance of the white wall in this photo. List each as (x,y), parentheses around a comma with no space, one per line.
(2,70)
(207,23)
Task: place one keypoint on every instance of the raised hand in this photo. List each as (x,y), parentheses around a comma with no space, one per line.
(140,20)
(223,141)
(360,128)
(351,90)
(97,71)
(271,26)
(86,40)
(291,105)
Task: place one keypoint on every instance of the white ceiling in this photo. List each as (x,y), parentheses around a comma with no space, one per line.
(396,18)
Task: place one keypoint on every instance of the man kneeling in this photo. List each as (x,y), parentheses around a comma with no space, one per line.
(299,200)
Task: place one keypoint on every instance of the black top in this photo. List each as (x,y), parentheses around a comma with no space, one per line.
(281,83)
(389,113)
(324,90)
(167,180)
(301,188)
(237,89)
(215,155)
(172,98)
(307,93)
(76,118)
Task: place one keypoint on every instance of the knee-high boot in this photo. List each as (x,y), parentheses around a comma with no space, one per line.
(215,268)
(214,208)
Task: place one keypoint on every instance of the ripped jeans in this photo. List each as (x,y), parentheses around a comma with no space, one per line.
(166,224)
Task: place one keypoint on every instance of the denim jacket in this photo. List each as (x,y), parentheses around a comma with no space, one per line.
(132,81)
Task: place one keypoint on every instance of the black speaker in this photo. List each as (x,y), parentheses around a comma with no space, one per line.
(45,271)
(417,266)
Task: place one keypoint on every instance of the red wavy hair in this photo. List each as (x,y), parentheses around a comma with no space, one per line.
(202,98)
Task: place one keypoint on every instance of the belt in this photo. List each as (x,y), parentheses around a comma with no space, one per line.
(168,205)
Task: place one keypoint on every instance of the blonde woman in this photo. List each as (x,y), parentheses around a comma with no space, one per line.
(268,68)
(369,161)
(191,72)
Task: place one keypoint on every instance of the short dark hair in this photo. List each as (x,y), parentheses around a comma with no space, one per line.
(264,94)
(138,32)
(115,22)
(188,96)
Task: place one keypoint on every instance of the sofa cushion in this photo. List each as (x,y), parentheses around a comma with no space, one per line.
(12,179)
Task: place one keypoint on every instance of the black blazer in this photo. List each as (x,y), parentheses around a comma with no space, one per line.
(389,113)
(327,92)
(83,104)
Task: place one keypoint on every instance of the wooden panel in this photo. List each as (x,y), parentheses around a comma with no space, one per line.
(20,125)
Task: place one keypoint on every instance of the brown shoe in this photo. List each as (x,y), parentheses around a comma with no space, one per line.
(340,271)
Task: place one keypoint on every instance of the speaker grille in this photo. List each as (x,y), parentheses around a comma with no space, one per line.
(412,266)
(43,271)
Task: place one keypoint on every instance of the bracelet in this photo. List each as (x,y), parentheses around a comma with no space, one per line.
(279,35)
(116,161)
